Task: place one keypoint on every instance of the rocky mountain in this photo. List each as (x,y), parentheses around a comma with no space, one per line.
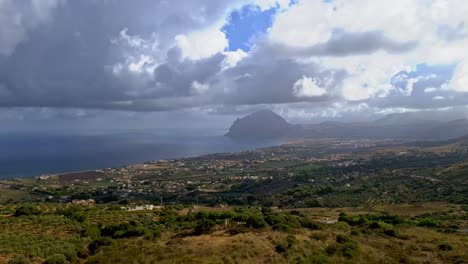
(263,124)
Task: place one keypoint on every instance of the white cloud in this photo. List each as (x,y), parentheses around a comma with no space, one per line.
(459,81)
(233,57)
(430,90)
(307,87)
(202,44)
(313,22)
(200,88)
(298,27)
(267,4)
(143,64)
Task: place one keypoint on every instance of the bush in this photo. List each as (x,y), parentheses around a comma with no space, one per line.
(332,249)
(319,258)
(98,243)
(342,226)
(282,228)
(70,253)
(90,231)
(19,259)
(445,247)
(256,221)
(380,224)
(391,232)
(346,246)
(205,226)
(281,248)
(319,236)
(429,222)
(74,213)
(284,247)
(56,259)
(237,230)
(124,230)
(306,223)
(27,210)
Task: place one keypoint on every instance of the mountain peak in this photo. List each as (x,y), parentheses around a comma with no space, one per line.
(263,124)
(265,113)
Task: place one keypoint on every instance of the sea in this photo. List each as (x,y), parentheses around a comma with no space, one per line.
(33,154)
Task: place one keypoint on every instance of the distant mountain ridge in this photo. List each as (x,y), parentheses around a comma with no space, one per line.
(266,124)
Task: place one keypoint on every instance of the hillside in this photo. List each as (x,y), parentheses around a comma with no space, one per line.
(55,233)
(309,201)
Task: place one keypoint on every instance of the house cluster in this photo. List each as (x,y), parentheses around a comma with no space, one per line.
(88,202)
(145,207)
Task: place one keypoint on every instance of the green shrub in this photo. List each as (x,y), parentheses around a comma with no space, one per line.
(429,222)
(342,226)
(19,259)
(346,246)
(238,230)
(70,253)
(282,227)
(380,224)
(27,210)
(391,233)
(319,236)
(90,231)
(445,247)
(281,248)
(132,229)
(256,221)
(307,223)
(284,247)
(56,259)
(319,258)
(204,226)
(98,243)
(332,249)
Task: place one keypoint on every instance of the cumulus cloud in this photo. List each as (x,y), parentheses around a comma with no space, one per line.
(202,44)
(307,87)
(460,78)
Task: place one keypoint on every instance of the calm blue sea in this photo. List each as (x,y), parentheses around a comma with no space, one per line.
(32,154)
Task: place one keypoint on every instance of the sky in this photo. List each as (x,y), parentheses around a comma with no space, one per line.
(115,64)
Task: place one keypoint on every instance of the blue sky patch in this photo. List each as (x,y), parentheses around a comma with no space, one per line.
(245,24)
(434,76)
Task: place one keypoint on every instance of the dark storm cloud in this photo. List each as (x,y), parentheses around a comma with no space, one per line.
(67,60)
(72,62)
(345,44)
(182,73)
(262,79)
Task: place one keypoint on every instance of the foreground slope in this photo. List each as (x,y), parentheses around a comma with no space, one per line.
(105,234)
